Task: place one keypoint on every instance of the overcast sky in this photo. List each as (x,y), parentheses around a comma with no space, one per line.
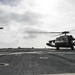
(18,17)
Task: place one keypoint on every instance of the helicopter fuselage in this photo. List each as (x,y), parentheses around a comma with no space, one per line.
(62,41)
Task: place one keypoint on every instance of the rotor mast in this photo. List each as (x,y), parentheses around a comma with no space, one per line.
(65,32)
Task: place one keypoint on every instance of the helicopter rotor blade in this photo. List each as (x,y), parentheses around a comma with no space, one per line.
(1,27)
(72,30)
(42,32)
(57,34)
(45,32)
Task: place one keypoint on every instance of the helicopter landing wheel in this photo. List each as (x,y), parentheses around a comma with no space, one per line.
(57,48)
(72,47)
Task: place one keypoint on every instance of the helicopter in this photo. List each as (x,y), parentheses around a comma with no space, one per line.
(62,41)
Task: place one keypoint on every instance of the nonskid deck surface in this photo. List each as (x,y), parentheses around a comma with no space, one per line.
(37,62)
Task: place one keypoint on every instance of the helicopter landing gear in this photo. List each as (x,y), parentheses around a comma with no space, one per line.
(72,47)
(57,48)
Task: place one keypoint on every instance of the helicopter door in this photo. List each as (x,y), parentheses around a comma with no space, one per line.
(70,39)
(62,41)
(66,39)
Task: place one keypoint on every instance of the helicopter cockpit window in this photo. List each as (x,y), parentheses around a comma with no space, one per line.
(58,39)
(62,38)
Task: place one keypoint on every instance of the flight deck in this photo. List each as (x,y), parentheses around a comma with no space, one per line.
(36,62)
